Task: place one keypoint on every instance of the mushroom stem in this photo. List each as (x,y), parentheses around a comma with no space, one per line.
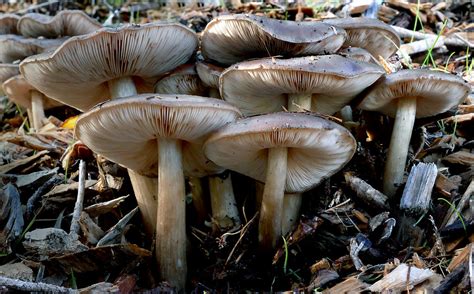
(299,102)
(214,93)
(145,193)
(271,211)
(399,143)
(224,207)
(291,209)
(171,222)
(346,113)
(199,201)
(37,109)
(122,87)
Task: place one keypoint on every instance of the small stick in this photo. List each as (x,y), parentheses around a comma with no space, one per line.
(80,199)
(33,287)
(452,216)
(449,41)
(117,230)
(366,192)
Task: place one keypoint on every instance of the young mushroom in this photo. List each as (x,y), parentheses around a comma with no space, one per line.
(7,71)
(8,23)
(22,93)
(65,23)
(230,39)
(182,80)
(151,134)
(406,95)
(290,152)
(209,75)
(13,47)
(370,34)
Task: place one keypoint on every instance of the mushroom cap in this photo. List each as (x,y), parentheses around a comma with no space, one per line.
(317,148)
(233,38)
(125,130)
(435,92)
(209,73)
(65,23)
(371,34)
(14,47)
(78,72)
(8,23)
(182,80)
(8,70)
(19,90)
(261,86)
(357,54)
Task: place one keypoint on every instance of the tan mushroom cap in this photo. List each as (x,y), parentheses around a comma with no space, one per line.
(14,47)
(19,90)
(182,80)
(317,148)
(435,92)
(65,23)
(209,73)
(8,23)
(371,34)
(78,72)
(233,38)
(125,130)
(262,86)
(357,54)
(8,70)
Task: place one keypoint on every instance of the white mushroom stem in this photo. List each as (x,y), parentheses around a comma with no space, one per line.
(346,114)
(37,110)
(171,221)
(291,209)
(399,143)
(145,190)
(299,102)
(214,93)
(199,202)
(122,87)
(271,211)
(224,207)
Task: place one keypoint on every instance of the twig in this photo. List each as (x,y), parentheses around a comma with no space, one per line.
(80,199)
(242,234)
(33,287)
(117,230)
(449,41)
(366,192)
(452,215)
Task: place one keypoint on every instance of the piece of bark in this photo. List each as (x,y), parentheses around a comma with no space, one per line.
(458,229)
(416,196)
(33,287)
(33,200)
(460,258)
(448,41)
(51,242)
(113,235)
(350,285)
(322,278)
(446,185)
(104,207)
(461,157)
(366,193)
(74,229)
(90,229)
(16,271)
(35,178)
(402,278)
(452,215)
(11,216)
(451,280)
(21,162)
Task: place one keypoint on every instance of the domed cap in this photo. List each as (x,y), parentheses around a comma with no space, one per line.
(125,130)
(261,86)
(77,73)
(357,54)
(14,47)
(7,71)
(8,23)
(209,73)
(233,38)
(371,34)
(65,23)
(19,90)
(317,148)
(435,92)
(182,80)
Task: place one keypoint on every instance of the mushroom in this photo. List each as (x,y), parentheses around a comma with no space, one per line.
(22,93)
(8,23)
(230,39)
(182,80)
(290,152)
(406,95)
(153,132)
(225,214)
(357,54)
(320,83)
(7,71)
(370,34)
(209,75)
(13,47)
(65,23)
(89,69)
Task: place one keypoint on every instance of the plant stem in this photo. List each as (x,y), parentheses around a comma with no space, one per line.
(399,144)
(271,211)
(171,212)
(145,190)
(37,109)
(122,87)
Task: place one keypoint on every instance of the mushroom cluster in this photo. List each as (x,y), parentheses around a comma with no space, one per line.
(147,106)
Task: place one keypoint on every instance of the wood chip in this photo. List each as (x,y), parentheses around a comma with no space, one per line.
(402,278)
